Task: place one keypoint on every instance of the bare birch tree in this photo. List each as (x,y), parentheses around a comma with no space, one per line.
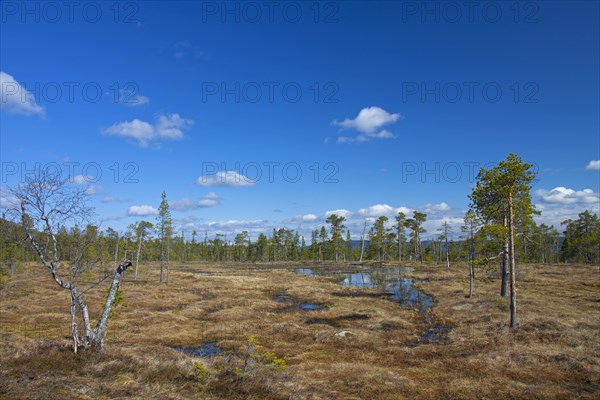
(43,203)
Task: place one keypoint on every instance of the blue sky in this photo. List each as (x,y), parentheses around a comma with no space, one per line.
(187,96)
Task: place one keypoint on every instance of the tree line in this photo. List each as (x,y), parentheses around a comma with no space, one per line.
(400,241)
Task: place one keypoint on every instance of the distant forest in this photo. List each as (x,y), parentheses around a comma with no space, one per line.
(578,243)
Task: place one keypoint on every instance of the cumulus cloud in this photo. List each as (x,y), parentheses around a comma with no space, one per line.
(141,211)
(433,208)
(379,210)
(369,123)
(593,165)
(563,195)
(226,179)
(309,218)
(554,214)
(140,131)
(171,126)
(237,224)
(229,227)
(210,199)
(143,133)
(14,98)
(339,212)
(300,219)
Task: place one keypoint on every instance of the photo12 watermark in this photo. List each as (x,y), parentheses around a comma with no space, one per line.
(470,92)
(470,12)
(271,12)
(269,92)
(127,93)
(250,173)
(75,172)
(72,12)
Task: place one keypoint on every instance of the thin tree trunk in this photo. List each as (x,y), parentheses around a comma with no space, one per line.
(471,272)
(100,330)
(447,255)
(168,257)
(162,253)
(504,270)
(117,250)
(511,260)
(137,256)
(74,332)
(362,246)
(420,248)
(399,248)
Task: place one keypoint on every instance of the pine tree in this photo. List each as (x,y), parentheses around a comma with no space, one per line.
(498,193)
(337,228)
(164,226)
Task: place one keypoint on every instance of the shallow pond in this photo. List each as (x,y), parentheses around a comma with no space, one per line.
(389,280)
(305,306)
(399,288)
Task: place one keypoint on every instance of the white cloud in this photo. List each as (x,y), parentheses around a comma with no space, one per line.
(339,212)
(236,224)
(229,227)
(433,208)
(142,132)
(167,126)
(171,126)
(593,165)
(141,211)
(309,218)
(554,214)
(211,199)
(379,210)
(563,195)
(299,219)
(225,178)
(16,99)
(368,122)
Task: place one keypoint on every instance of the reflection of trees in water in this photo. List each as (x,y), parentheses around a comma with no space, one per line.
(391,280)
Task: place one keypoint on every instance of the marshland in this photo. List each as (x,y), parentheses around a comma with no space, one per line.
(361,342)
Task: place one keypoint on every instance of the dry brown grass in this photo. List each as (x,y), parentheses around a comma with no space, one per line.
(554,353)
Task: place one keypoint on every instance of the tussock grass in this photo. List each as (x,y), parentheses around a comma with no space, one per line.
(554,353)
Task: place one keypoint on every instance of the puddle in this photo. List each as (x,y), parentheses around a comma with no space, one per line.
(405,293)
(310,307)
(393,283)
(283,298)
(208,349)
(295,303)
